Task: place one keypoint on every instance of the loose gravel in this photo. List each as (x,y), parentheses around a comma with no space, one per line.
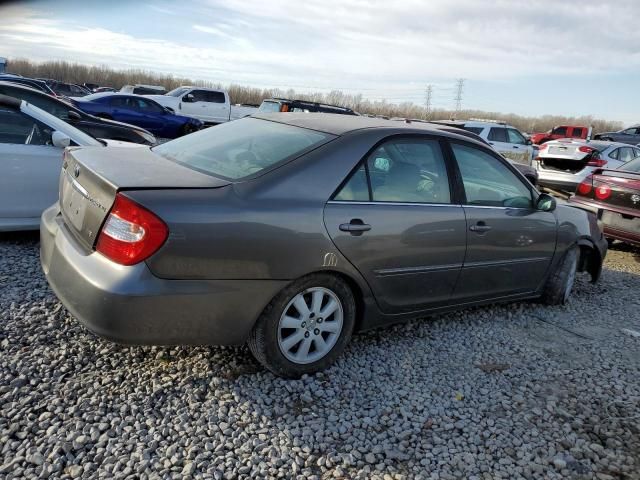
(512,391)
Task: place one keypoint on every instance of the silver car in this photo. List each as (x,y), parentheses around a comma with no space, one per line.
(31,145)
(563,164)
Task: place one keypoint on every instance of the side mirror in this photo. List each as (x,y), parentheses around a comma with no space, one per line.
(60,140)
(529,142)
(188,98)
(546,203)
(74,116)
(169,110)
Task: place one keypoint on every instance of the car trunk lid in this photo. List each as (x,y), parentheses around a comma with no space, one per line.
(91,178)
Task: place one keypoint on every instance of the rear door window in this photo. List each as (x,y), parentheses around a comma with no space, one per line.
(560,131)
(577,133)
(626,154)
(498,134)
(242,148)
(215,97)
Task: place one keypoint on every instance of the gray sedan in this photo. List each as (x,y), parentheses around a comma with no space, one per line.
(292,231)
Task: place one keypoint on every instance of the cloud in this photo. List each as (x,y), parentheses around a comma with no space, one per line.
(389,49)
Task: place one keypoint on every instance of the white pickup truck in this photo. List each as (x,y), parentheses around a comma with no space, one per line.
(207,104)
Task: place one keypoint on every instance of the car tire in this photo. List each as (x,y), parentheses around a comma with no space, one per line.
(282,331)
(558,287)
(187,129)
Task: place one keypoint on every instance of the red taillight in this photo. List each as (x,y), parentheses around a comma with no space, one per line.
(585,187)
(596,161)
(584,149)
(131,233)
(603,192)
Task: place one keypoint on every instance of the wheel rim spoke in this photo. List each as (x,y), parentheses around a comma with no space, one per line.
(301,305)
(316,301)
(290,322)
(320,344)
(329,308)
(303,350)
(332,327)
(292,340)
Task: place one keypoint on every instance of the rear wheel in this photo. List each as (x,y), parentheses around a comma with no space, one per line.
(305,327)
(559,284)
(187,129)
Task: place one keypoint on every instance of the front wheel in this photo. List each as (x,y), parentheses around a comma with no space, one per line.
(305,327)
(559,284)
(187,129)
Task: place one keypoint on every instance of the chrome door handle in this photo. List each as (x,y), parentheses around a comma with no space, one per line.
(480,227)
(355,227)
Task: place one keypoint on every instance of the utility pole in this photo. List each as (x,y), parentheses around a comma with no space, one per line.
(427,101)
(458,99)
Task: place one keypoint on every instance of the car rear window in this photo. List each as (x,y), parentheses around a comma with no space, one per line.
(242,148)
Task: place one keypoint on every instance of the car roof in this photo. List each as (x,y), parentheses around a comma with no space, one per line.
(21,86)
(342,124)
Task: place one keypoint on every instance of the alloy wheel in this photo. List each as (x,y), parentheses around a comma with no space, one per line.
(310,325)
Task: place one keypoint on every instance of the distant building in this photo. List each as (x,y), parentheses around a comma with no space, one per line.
(3,64)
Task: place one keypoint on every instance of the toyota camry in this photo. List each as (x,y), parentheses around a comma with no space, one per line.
(290,232)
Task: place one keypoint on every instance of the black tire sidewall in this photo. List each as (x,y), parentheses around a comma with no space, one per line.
(267,327)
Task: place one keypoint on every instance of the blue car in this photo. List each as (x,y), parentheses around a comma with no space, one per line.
(140,111)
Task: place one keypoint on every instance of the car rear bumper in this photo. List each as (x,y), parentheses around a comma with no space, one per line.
(128,304)
(619,224)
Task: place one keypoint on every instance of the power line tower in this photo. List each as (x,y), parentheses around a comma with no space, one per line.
(458,98)
(427,101)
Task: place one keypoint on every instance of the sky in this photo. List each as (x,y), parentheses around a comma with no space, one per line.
(525,57)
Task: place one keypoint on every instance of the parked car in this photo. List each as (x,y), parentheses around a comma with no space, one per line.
(69,89)
(505,139)
(210,105)
(563,164)
(291,231)
(144,89)
(31,147)
(615,196)
(138,110)
(94,126)
(629,135)
(286,105)
(562,131)
(91,86)
(29,82)
(529,172)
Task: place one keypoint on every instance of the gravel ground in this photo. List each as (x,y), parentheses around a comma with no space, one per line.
(515,391)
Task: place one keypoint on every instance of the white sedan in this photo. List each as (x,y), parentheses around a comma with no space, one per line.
(31,146)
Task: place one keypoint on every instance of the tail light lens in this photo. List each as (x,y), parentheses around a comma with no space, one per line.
(603,192)
(596,161)
(584,149)
(131,233)
(585,187)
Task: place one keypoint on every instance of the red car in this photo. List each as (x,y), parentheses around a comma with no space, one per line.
(615,196)
(561,131)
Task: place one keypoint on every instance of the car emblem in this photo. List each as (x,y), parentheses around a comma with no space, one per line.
(635,199)
(76,171)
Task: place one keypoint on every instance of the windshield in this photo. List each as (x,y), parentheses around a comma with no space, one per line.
(76,135)
(241,148)
(269,107)
(176,92)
